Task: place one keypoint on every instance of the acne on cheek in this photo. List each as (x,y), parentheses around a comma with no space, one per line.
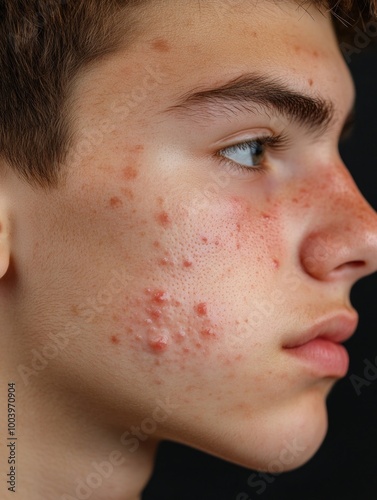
(160,324)
(157,322)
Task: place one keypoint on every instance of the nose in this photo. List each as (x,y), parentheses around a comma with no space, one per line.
(341,243)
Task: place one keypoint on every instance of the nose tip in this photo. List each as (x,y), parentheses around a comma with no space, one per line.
(343,243)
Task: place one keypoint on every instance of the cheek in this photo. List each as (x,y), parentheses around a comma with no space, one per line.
(197,275)
(160,323)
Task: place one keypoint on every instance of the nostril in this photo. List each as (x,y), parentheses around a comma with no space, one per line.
(355,264)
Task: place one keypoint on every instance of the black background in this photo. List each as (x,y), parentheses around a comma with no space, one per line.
(346,465)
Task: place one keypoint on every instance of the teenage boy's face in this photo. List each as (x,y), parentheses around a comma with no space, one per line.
(171,272)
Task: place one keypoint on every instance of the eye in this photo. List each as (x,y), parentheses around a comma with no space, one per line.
(248,154)
(251,155)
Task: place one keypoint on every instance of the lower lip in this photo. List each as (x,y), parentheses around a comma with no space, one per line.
(325,357)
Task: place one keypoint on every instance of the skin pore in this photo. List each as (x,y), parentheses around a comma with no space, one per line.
(170,279)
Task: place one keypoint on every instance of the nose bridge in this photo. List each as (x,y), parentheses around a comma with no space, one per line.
(345,197)
(343,239)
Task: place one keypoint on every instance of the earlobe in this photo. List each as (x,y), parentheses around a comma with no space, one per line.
(4,247)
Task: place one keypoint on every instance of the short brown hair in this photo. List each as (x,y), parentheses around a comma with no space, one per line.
(43,46)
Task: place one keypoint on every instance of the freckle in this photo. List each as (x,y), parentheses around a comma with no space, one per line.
(130,173)
(315,53)
(295,200)
(201,309)
(163,219)
(128,193)
(75,310)
(115,339)
(137,149)
(238,246)
(165,262)
(217,243)
(161,45)
(310,81)
(157,244)
(187,263)
(115,202)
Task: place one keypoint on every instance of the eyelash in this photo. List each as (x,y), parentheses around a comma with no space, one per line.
(271,143)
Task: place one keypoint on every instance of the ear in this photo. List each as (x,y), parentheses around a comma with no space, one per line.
(4,242)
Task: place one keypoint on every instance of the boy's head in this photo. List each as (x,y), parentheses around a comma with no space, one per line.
(48,44)
(203,228)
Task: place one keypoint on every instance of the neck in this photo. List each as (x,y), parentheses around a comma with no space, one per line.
(64,450)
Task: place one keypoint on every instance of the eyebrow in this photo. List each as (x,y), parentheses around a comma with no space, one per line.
(248,91)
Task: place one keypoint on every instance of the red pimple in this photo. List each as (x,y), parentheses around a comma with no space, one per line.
(201,309)
(238,228)
(159,297)
(155,313)
(180,336)
(163,219)
(276,263)
(208,332)
(158,344)
(115,202)
(187,263)
(204,239)
(130,173)
(157,244)
(115,339)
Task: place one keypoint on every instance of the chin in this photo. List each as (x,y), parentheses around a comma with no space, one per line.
(281,439)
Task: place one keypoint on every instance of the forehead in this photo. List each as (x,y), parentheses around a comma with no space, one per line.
(194,44)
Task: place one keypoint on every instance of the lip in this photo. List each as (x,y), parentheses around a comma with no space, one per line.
(320,347)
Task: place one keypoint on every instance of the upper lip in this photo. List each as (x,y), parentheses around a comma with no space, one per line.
(337,329)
